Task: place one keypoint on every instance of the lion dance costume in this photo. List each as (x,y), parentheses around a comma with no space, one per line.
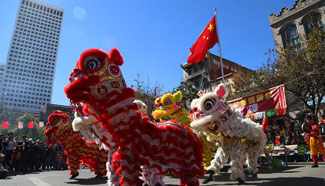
(99,93)
(142,107)
(168,107)
(75,147)
(242,139)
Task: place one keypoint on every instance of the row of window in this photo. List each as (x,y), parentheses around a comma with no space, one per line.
(28,90)
(23,105)
(43,15)
(42,85)
(24,51)
(30,100)
(47,36)
(25,79)
(31,91)
(37,39)
(29,86)
(43,32)
(19,51)
(25,67)
(38,47)
(33,34)
(25,96)
(31,64)
(52,26)
(31,55)
(41,7)
(290,33)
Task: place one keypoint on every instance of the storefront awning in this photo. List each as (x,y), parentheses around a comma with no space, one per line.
(271,102)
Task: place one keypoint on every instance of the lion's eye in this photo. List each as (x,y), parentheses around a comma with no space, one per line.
(168,102)
(209,103)
(92,64)
(54,120)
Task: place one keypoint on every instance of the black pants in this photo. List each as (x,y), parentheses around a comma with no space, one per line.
(8,158)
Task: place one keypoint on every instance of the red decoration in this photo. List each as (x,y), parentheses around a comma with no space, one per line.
(31,124)
(207,40)
(5,124)
(265,124)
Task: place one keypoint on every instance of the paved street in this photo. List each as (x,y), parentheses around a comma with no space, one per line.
(295,174)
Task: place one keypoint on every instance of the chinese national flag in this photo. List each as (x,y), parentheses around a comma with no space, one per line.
(5,124)
(31,124)
(207,40)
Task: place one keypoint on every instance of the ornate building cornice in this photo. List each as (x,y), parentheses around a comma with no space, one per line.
(297,7)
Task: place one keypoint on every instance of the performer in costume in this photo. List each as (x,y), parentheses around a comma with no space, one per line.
(242,139)
(99,93)
(315,141)
(75,147)
(168,107)
(142,107)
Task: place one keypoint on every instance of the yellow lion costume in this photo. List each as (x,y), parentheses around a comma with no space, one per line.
(168,107)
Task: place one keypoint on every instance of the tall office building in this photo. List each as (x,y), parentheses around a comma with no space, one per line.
(2,70)
(29,74)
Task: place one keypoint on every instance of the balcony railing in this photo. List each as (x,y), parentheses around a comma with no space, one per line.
(198,73)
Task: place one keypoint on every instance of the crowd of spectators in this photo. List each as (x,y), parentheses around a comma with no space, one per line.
(288,135)
(22,155)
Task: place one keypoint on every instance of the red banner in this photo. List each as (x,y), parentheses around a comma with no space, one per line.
(274,98)
(5,124)
(31,124)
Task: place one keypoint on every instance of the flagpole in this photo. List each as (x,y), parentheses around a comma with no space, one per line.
(221,62)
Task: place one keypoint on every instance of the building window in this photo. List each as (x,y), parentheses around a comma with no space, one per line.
(290,36)
(312,19)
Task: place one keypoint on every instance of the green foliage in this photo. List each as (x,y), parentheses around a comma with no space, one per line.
(34,133)
(147,94)
(302,70)
(9,115)
(12,116)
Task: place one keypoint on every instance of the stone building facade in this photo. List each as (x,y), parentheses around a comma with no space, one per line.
(292,25)
(206,75)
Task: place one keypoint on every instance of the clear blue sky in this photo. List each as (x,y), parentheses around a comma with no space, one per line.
(154,37)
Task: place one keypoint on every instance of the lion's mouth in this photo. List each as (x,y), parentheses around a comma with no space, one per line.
(72,79)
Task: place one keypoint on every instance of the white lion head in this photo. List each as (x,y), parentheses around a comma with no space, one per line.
(211,107)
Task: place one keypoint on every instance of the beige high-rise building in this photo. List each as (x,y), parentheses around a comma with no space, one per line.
(29,74)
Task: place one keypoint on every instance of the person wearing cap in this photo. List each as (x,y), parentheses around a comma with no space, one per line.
(315,141)
(3,171)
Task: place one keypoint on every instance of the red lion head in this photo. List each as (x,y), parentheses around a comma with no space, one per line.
(96,79)
(58,124)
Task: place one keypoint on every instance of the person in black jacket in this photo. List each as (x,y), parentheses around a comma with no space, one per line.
(2,148)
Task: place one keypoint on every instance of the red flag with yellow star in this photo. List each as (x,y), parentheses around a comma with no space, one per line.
(207,40)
